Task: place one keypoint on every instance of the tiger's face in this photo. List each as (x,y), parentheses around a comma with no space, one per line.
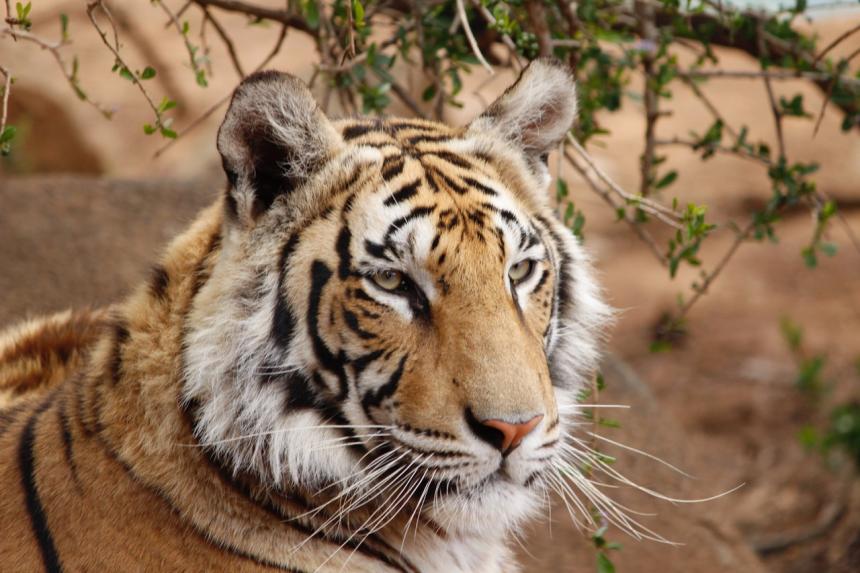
(395,311)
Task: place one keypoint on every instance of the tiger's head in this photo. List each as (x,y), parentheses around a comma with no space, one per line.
(395,310)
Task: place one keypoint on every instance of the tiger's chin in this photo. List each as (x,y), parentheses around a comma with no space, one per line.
(494,507)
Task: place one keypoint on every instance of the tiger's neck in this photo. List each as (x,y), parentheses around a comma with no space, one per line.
(135,407)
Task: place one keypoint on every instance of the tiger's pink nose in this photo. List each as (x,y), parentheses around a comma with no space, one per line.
(512,434)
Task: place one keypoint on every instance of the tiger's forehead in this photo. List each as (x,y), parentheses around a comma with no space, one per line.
(442,196)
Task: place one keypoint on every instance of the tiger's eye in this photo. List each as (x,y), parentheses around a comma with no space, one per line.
(388,279)
(521,271)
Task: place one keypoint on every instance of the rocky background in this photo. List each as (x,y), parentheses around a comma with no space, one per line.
(85,209)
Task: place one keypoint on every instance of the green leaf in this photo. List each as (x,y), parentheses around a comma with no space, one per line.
(124,72)
(429,93)
(166,104)
(168,133)
(358,15)
(148,73)
(200,76)
(604,565)
(185,28)
(64,27)
(312,14)
(8,134)
(809,258)
(829,249)
(666,180)
(149,129)
(6,140)
(792,332)
(808,437)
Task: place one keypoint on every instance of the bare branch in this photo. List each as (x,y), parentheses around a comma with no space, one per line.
(701,289)
(473,43)
(648,32)
(839,39)
(212,109)
(709,104)
(231,49)
(662,212)
(407,99)
(737,152)
(538,23)
(607,196)
(71,76)
(282,16)
(7,87)
(777,115)
(770,74)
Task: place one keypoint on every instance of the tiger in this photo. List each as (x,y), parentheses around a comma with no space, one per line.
(364,356)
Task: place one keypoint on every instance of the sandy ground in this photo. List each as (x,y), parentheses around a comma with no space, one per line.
(722,406)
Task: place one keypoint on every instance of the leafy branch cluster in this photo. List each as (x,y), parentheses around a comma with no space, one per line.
(613,46)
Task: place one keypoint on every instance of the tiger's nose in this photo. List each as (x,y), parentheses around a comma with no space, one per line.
(503,435)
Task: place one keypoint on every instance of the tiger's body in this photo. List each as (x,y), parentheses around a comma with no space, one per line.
(324,372)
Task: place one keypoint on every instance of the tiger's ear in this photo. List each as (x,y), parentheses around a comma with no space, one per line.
(273,138)
(536,112)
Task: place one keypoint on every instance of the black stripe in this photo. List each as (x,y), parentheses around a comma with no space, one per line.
(392,166)
(66,436)
(376,250)
(343,240)
(450,183)
(38,520)
(355,131)
(374,398)
(541,281)
(352,323)
(452,158)
(299,393)
(395,125)
(284,322)
(158,282)
(479,186)
(121,335)
(416,213)
(320,275)
(427,138)
(404,193)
